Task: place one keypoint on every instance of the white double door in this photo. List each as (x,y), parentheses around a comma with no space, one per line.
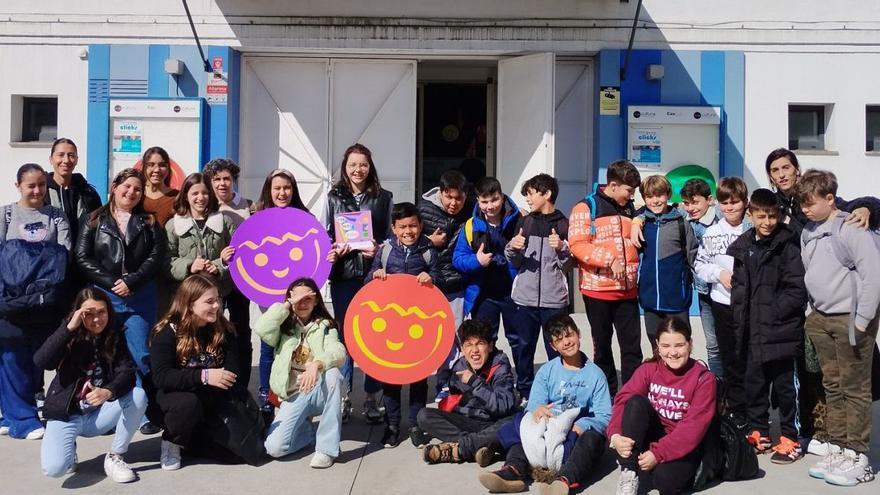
(302,113)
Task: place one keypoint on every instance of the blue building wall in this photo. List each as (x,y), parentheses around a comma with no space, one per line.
(714,78)
(138,71)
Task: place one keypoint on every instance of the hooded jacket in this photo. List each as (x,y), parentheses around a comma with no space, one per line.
(827,280)
(474,233)
(84,199)
(790,207)
(488,400)
(768,296)
(322,339)
(186,242)
(435,217)
(57,353)
(665,277)
(596,247)
(340,200)
(540,280)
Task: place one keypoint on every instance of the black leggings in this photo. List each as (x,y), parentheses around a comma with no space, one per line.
(642,424)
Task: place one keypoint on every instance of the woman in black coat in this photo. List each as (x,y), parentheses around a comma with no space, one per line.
(358,189)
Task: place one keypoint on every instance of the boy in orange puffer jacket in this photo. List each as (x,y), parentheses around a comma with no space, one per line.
(599,239)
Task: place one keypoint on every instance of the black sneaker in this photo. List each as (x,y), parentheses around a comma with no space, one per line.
(391,436)
(505,480)
(419,438)
(149,429)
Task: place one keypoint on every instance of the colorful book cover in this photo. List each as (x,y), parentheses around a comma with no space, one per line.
(355,229)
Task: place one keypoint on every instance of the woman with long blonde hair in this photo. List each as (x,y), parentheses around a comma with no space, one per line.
(195,362)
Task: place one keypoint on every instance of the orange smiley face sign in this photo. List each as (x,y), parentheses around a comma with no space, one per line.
(399,331)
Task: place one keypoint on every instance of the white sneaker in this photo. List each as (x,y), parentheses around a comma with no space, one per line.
(117,470)
(72,468)
(321,461)
(817,447)
(4,430)
(831,458)
(851,470)
(170,457)
(35,434)
(628,483)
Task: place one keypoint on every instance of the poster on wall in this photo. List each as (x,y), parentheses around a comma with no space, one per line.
(647,146)
(609,101)
(217,84)
(128,138)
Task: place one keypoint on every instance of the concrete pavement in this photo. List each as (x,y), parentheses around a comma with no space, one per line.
(363,468)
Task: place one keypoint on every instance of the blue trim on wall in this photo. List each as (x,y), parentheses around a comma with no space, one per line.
(233,106)
(733,143)
(189,84)
(98,125)
(158,79)
(712,72)
(608,138)
(127,62)
(681,81)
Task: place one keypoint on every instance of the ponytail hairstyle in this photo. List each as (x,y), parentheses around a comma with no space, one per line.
(318,313)
(670,324)
(184,323)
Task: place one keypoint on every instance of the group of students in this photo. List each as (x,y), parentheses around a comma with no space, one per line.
(755,264)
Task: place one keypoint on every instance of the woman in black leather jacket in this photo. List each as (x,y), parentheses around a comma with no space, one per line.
(357,189)
(121,250)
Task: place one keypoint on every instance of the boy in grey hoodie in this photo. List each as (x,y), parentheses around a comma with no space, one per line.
(843,324)
(539,252)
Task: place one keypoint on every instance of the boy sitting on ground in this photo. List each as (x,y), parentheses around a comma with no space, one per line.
(480,400)
(566,382)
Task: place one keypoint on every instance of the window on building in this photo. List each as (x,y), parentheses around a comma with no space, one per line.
(806,126)
(35,118)
(872,128)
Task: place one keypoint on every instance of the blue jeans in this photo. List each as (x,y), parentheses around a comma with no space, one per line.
(292,428)
(137,313)
(267,357)
(59,443)
(708,321)
(444,373)
(493,312)
(522,335)
(342,292)
(17,389)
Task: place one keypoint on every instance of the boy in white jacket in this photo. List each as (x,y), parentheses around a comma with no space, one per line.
(715,266)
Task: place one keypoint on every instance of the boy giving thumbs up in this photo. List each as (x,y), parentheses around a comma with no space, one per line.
(539,253)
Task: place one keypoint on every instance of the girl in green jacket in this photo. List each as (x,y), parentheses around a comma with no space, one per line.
(305,373)
(199,235)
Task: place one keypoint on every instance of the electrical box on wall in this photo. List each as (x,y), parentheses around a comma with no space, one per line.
(661,138)
(174,124)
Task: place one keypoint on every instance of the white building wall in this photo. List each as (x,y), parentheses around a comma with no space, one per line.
(848,81)
(41,71)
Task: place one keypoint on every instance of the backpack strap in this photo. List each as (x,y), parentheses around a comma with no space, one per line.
(469,231)
(385,254)
(841,252)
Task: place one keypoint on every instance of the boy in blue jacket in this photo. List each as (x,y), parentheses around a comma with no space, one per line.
(479,256)
(412,253)
(481,400)
(566,382)
(539,252)
(668,253)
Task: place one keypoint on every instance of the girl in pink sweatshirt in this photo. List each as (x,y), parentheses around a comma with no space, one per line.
(661,414)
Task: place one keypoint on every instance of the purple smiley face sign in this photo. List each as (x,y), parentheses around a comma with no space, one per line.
(273,248)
